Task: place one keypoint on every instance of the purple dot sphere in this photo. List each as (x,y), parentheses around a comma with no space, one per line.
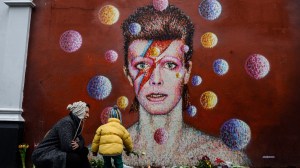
(70,41)
(257,66)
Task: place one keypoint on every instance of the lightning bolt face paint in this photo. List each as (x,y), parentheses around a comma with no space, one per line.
(157,71)
(153,50)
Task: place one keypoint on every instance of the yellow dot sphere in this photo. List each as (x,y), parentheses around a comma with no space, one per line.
(155,52)
(208,100)
(122,102)
(108,15)
(209,40)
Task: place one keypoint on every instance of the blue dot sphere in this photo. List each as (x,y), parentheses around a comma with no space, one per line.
(235,134)
(196,80)
(220,66)
(192,110)
(99,87)
(134,28)
(210,9)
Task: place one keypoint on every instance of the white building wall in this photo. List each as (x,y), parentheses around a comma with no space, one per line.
(15,18)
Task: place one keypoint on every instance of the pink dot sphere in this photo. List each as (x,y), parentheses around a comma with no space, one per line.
(111,56)
(185,48)
(160,4)
(257,66)
(104,115)
(161,136)
(70,41)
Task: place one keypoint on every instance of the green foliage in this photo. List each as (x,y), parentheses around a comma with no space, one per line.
(97,163)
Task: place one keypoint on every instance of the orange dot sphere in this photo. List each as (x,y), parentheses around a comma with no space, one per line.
(108,15)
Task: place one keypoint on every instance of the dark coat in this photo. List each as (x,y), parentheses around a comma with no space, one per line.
(53,149)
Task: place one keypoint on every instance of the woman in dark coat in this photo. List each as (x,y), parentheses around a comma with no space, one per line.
(63,146)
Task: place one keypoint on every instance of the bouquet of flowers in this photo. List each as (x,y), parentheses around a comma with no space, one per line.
(204,162)
(221,163)
(22,150)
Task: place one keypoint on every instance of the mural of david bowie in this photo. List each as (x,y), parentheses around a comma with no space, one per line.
(158,66)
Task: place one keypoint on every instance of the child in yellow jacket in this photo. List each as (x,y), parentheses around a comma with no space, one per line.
(110,140)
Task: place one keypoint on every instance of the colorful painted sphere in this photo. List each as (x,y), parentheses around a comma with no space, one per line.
(196,80)
(235,134)
(70,41)
(185,48)
(111,56)
(108,15)
(99,87)
(134,28)
(210,9)
(105,114)
(161,136)
(122,102)
(208,100)
(257,66)
(192,110)
(155,51)
(160,4)
(209,40)
(220,66)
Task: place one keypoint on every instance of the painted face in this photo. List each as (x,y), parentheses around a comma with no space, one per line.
(157,72)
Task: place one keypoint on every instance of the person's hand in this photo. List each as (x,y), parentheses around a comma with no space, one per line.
(74,145)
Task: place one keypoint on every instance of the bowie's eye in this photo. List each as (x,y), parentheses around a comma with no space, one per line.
(170,65)
(142,66)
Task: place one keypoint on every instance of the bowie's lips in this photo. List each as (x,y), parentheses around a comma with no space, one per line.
(156,97)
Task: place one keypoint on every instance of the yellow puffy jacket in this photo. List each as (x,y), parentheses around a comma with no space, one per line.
(110,139)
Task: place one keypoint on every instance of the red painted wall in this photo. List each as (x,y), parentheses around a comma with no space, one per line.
(269,106)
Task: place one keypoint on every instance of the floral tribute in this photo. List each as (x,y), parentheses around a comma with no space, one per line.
(205,162)
(22,149)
